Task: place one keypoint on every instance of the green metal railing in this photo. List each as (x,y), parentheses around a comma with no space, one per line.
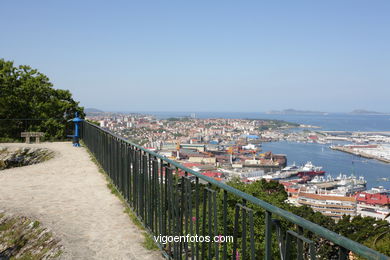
(195,204)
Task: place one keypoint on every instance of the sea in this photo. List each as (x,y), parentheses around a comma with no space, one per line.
(333,162)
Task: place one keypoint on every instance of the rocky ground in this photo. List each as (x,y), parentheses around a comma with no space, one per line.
(22,238)
(11,156)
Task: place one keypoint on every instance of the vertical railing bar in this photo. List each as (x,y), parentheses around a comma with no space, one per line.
(186,212)
(177,215)
(167,211)
(343,253)
(141,180)
(287,246)
(126,155)
(216,226)
(181,215)
(235,232)
(148,190)
(197,215)
(162,200)
(145,187)
(152,196)
(170,206)
(129,174)
(224,255)
(157,194)
(243,236)
(204,221)
(268,235)
(137,177)
(155,206)
(252,235)
(209,221)
(312,251)
(299,244)
(122,168)
(115,161)
(190,217)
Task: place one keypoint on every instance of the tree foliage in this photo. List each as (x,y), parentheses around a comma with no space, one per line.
(28,94)
(366,230)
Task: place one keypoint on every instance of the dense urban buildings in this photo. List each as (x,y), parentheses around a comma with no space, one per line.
(226,149)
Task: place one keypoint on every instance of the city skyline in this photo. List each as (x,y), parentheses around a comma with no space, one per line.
(201,57)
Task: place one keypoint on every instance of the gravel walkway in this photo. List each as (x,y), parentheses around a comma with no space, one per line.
(68,195)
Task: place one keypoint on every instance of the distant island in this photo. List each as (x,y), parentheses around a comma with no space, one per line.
(296,112)
(93,110)
(366,112)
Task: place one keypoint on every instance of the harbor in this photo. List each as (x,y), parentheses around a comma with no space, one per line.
(380,153)
(334,162)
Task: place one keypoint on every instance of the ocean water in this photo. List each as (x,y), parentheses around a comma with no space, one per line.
(333,162)
(332,121)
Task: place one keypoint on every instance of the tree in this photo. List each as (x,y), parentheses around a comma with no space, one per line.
(366,230)
(28,94)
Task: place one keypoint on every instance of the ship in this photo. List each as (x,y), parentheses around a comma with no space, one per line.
(310,170)
(288,171)
(320,179)
(347,184)
(344,180)
(291,168)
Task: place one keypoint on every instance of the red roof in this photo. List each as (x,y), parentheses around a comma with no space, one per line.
(292,190)
(373,199)
(212,174)
(190,165)
(286,183)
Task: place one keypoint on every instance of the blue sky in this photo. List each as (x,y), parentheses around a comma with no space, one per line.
(242,56)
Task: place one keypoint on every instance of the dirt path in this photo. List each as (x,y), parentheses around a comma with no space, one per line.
(69,196)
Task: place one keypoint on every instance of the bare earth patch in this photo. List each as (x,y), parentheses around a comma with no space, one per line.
(68,195)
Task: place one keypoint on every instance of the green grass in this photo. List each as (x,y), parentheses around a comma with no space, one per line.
(7,225)
(36,224)
(133,217)
(148,242)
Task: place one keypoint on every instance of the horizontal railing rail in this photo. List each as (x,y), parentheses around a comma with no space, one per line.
(172,205)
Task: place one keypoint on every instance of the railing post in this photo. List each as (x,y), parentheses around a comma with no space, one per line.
(224,253)
(300,244)
(343,253)
(268,235)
